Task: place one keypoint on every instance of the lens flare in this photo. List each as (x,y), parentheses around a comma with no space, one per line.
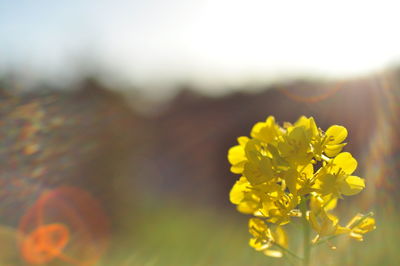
(65,224)
(45,243)
(382,154)
(309,96)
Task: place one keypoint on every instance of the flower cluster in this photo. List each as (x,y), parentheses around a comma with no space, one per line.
(296,170)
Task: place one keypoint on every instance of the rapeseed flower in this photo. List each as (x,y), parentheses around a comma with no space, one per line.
(360,225)
(297,171)
(270,242)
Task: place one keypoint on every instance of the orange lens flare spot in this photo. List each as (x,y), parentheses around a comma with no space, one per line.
(311,98)
(66,224)
(45,243)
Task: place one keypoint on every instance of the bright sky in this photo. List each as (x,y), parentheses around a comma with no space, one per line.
(212,41)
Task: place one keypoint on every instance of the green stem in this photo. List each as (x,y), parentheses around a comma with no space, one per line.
(287,251)
(306,233)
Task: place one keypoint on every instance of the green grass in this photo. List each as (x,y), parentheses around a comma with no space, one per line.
(178,235)
(171,234)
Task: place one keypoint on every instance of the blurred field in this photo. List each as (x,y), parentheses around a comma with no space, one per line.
(163,179)
(176,234)
(173,234)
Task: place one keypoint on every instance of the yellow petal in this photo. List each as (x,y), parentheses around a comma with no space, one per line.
(257,227)
(238,168)
(336,134)
(273,253)
(242,140)
(281,237)
(333,150)
(316,204)
(330,204)
(256,129)
(346,162)
(302,121)
(254,174)
(307,170)
(245,208)
(314,223)
(298,134)
(342,230)
(358,237)
(291,180)
(329,224)
(313,127)
(367,225)
(258,245)
(237,192)
(352,185)
(236,154)
(265,131)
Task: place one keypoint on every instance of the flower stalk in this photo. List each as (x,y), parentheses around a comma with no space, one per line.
(306,233)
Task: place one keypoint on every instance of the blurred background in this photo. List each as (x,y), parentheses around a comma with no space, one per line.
(116,118)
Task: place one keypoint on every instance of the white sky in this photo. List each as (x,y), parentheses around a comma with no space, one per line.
(210,42)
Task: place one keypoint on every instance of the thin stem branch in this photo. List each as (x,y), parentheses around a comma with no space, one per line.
(287,251)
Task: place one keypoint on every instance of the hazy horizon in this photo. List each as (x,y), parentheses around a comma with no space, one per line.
(214,45)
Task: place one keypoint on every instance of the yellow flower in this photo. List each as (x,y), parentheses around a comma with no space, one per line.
(299,181)
(266,131)
(295,146)
(279,210)
(259,171)
(335,177)
(311,127)
(317,203)
(242,195)
(360,225)
(266,240)
(325,224)
(284,168)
